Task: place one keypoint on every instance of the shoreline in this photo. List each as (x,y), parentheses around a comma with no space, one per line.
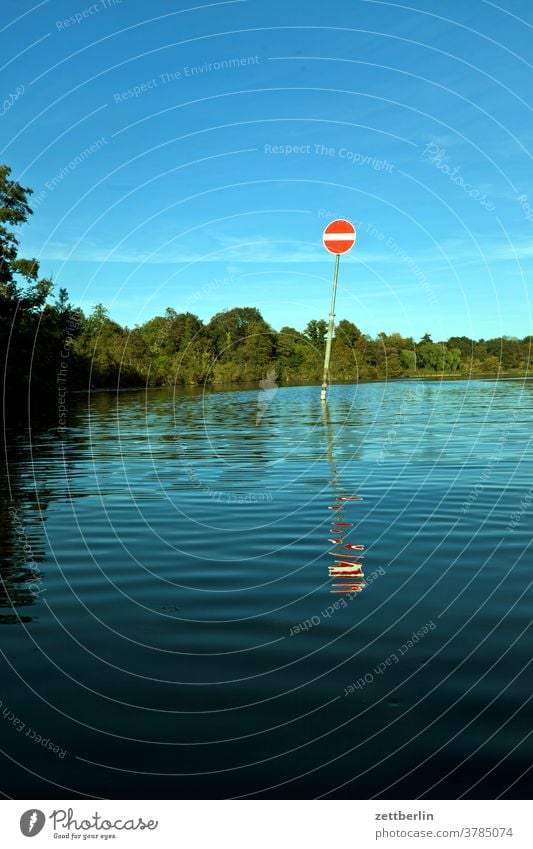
(255,384)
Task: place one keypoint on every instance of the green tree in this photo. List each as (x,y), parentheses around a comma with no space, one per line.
(101,344)
(348,333)
(257,350)
(408,360)
(22,295)
(316,332)
(229,327)
(291,353)
(20,285)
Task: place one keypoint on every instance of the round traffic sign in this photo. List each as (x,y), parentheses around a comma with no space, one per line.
(339,236)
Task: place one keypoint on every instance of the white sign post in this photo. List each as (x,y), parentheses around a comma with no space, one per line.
(339,237)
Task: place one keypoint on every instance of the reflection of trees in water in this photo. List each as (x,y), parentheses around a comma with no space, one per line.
(22,547)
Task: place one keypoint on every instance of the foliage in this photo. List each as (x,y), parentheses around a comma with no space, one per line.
(41,340)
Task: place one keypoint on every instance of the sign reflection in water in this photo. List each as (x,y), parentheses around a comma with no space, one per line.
(347,565)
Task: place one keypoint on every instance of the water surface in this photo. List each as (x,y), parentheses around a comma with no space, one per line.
(171,627)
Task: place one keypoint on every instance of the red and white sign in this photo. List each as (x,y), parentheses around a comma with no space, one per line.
(339,237)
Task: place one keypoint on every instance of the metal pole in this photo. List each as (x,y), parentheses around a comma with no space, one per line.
(330,444)
(330,332)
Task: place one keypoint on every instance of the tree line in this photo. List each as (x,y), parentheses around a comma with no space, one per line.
(48,343)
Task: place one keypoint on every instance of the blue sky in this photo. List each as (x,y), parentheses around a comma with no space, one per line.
(190,155)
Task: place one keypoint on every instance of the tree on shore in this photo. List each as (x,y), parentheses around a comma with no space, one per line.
(237,345)
(22,292)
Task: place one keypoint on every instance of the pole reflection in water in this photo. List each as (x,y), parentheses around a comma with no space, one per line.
(347,566)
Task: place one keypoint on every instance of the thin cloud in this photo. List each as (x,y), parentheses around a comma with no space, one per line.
(260,251)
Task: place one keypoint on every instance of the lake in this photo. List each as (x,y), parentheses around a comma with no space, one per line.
(181,616)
